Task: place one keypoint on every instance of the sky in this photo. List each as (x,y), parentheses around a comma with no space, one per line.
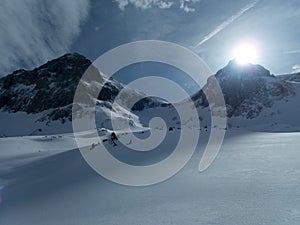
(33,32)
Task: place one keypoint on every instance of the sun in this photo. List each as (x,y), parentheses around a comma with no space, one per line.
(245,53)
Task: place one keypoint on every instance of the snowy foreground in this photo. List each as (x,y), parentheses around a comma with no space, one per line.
(254,180)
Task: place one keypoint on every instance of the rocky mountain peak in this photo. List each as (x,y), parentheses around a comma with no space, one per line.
(51,85)
(235,70)
(247,89)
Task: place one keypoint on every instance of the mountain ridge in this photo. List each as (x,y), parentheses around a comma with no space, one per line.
(48,91)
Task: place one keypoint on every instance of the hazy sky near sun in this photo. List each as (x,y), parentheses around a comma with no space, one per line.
(33,31)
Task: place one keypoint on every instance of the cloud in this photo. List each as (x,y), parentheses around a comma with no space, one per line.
(292,52)
(185,7)
(296,68)
(143,4)
(34,31)
(164,5)
(146,4)
(226,23)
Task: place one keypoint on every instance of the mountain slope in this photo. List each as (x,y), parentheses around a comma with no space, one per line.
(40,101)
(295,77)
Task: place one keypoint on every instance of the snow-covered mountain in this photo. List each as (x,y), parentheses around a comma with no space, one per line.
(254,97)
(40,101)
(247,89)
(47,173)
(294,77)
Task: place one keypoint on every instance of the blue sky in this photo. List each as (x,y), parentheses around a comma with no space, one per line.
(32,31)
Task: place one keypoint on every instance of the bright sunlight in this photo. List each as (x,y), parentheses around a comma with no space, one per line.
(245,53)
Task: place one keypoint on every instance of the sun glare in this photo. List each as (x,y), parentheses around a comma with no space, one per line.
(245,53)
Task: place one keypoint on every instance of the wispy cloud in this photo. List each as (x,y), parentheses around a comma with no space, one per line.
(226,23)
(35,31)
(292,52)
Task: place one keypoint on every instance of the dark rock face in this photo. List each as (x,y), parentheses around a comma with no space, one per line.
(51,85)
(247,89)
(149,102)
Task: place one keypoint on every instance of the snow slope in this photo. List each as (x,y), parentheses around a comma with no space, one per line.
(19,151)
(23,124)
(255,180)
